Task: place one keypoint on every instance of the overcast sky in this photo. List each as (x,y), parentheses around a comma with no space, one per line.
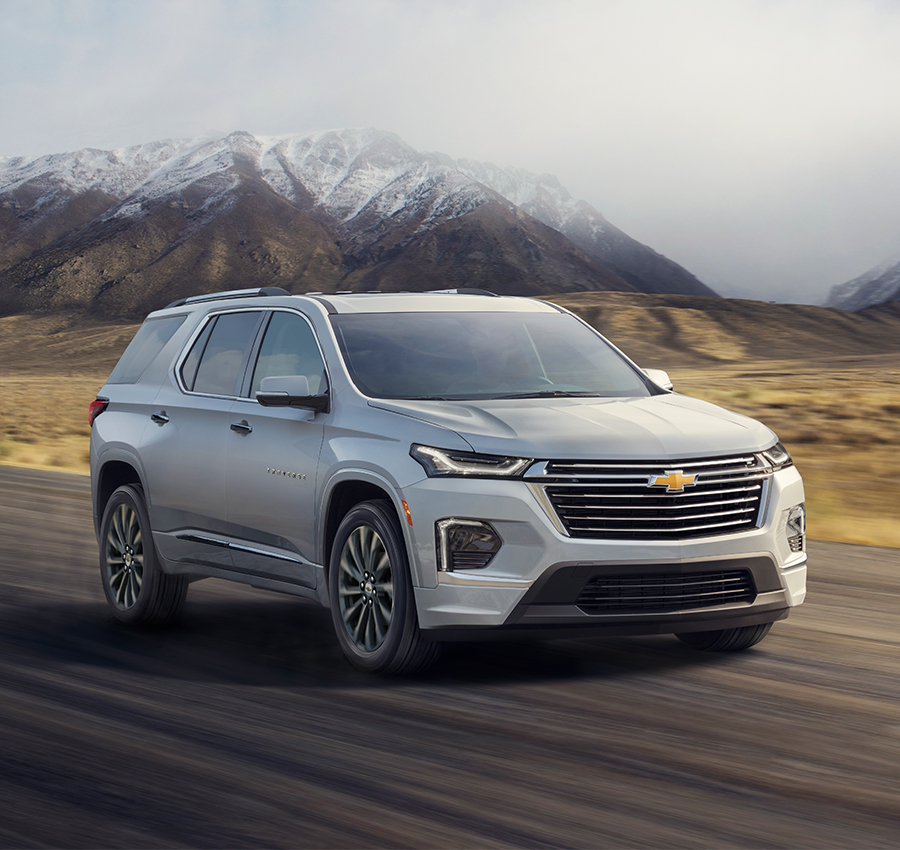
(756,142)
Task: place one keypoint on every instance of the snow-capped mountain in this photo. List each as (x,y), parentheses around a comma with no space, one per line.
(876,286)
(122,231)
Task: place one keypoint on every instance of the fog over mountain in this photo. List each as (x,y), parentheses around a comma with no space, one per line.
(753,142)
(125,231)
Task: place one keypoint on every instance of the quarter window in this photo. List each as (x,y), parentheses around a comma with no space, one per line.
(147,343)
(289,348)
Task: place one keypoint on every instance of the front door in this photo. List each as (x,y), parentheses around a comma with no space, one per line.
(273,458)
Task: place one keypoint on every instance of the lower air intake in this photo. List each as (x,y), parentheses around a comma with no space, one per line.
(668,592)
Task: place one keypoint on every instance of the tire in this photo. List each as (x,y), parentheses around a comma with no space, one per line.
(726,640)
(137,591)
(372,604)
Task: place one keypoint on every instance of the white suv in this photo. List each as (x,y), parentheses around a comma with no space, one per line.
(431,467)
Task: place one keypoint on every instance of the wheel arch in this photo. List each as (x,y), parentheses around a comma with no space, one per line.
(349,488)
(111,475)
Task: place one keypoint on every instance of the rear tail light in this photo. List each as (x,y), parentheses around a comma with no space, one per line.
(95,408)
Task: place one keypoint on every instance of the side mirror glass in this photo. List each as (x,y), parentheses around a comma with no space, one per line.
(659,377)
(290,391)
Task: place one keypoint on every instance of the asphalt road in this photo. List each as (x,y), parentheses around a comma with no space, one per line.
(242,726)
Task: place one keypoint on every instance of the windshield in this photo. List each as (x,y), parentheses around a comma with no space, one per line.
(480,356)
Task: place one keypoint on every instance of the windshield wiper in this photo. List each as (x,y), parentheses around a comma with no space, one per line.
(551,394)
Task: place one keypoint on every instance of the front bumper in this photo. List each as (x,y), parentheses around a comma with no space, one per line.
(535,581)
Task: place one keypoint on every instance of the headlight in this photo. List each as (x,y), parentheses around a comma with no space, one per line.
(443,462)
(777,457)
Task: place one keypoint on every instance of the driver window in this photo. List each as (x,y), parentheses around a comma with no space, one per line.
(289,348)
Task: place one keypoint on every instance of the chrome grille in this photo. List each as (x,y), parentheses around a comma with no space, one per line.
(614,500)
(669,592)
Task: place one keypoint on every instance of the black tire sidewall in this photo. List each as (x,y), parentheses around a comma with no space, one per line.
(726,640)
(403,628)
(139,612)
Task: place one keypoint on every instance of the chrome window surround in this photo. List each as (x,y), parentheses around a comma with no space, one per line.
(179,362)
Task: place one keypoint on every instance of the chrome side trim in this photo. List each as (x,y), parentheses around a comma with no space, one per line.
(199,538)
(237,547)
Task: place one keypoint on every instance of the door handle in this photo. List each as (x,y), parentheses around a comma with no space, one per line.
(160,418)
(242,427)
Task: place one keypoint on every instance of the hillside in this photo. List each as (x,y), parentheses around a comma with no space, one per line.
(701,332)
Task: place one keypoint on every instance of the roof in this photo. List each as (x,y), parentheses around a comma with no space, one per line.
(447,300)
(444,302)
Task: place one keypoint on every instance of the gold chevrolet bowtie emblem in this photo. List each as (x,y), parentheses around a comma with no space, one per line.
(674,480)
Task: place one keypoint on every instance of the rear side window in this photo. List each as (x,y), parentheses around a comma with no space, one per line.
(289,348)
(219,354)
(142,350)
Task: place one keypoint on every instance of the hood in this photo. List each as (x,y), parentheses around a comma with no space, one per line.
(653,428)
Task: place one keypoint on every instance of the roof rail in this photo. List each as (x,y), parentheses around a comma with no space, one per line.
(231,293)
(464,291)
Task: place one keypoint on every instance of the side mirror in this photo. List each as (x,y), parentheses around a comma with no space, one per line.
(290,391)
(660,378)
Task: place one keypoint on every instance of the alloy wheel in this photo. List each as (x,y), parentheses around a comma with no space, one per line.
(365,587)
(125,556)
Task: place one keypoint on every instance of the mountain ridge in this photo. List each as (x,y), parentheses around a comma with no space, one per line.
(119,231)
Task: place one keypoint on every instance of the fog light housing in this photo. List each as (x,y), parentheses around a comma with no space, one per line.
(796,527)
(465,544)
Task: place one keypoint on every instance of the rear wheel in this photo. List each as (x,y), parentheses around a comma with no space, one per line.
(136,589)
(372,602)
(726,640)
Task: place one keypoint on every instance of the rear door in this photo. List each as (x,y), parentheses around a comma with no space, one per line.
(184,449)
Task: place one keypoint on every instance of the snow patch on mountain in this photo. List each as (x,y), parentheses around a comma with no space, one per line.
(210,164)
(117,173)
(349,174)
(540,195)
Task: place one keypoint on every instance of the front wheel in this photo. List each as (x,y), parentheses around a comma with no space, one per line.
(372,602)
(136,589)
(726,640)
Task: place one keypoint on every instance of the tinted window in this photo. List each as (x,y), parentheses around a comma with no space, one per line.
(223,356)
(480,355)
(192,361)
(141,351)
(289,348)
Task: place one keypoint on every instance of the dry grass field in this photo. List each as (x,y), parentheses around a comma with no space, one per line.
(839,415)
(50,370)
(841,423)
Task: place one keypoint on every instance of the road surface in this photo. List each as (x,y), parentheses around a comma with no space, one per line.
(242,726)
